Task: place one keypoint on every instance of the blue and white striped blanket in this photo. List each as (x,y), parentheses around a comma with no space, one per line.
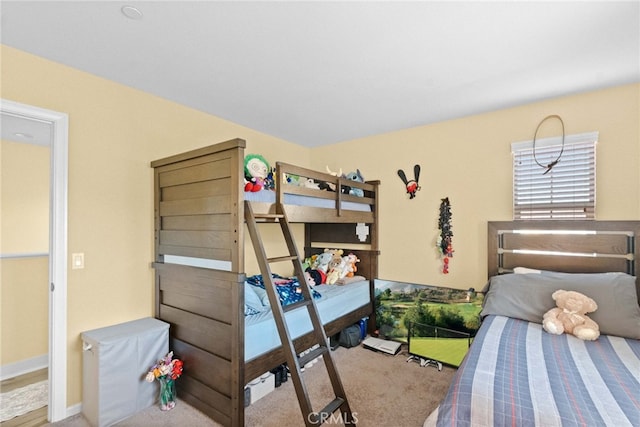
(516,374)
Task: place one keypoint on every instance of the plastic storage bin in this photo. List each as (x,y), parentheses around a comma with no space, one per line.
(115,361)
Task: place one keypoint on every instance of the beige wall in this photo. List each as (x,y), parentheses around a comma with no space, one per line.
(469,161)
(116,131)
(114,134)
(24,227)
(24,178)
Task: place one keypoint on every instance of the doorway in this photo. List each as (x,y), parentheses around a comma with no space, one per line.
(58,124)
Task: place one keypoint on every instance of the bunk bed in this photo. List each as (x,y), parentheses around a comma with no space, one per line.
(515,373)
(200,267)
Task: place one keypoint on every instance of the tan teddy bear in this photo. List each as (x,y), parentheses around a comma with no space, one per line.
(337,267)
(570,316)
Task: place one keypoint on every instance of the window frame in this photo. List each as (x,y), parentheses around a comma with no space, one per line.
(567,191)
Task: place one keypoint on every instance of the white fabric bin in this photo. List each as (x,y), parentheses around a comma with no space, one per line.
(115,361)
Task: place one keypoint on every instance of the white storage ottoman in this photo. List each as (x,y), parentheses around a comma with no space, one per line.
(115,361)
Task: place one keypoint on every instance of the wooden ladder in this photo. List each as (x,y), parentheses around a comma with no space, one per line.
(340,402)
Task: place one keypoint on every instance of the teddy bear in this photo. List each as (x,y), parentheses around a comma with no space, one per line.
(337,269)
(570,315)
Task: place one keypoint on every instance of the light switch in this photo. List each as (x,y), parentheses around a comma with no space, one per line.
(77,261)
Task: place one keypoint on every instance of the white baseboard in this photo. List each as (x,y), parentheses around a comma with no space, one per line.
(73,410)
(22,367)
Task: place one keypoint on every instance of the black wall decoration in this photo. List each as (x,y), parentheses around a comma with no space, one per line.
(411,185)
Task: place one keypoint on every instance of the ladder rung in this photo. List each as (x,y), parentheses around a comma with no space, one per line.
(267,216)
(293,306)
(322,349)
(332,407)
(282,258)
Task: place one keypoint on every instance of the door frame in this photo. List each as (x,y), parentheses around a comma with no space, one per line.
(57,409)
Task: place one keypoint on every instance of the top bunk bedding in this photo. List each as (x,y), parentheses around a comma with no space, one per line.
(346,201)
(269,197)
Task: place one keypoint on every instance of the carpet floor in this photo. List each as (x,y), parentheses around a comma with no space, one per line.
(383,390)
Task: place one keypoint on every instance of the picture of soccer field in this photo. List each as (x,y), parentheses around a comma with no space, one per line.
(446,350)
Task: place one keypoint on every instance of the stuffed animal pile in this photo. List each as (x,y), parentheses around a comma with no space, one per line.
(355,176)
(570,316)
(329,267)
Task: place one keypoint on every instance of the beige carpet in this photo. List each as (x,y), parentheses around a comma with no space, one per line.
(383,390)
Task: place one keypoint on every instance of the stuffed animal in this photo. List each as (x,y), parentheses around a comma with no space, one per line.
(570,315)
(356,176)
(328,185)
(311,281)
(270,180)
(322,261)
(315,277)
(351,261)
(256,169)
(310,183)
(336,254)
(309,262)
(337,269)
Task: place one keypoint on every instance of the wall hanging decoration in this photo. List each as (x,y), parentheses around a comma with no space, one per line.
(549,166)
(411,185)
(444,242)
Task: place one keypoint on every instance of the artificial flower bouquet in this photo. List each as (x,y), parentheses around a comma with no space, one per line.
(166,371)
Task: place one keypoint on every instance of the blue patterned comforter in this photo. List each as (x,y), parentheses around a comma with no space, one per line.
(517,374)
(288,288)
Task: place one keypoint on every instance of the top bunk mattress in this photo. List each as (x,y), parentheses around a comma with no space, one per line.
(267,196)
(261,334)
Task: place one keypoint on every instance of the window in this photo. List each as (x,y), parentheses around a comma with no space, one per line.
(567,191)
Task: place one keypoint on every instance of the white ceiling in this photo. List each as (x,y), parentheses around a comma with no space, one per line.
(316,73)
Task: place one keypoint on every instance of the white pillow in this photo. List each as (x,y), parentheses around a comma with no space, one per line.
(525,270)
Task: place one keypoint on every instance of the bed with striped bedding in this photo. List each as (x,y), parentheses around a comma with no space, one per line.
(517,374)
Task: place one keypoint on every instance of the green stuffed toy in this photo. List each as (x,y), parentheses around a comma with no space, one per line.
(256,171)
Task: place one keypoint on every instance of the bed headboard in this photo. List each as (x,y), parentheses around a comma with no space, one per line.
(567,246)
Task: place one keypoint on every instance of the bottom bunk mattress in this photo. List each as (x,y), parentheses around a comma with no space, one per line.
(517,374)
(332,301)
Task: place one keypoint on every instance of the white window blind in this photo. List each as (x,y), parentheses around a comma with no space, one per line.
(567,191)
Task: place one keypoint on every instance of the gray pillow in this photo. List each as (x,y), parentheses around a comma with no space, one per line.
(528,297)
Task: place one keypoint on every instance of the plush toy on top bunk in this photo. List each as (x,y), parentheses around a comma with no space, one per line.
(351,176)
(257,173)
(300,181)
(328,185)
(357,177)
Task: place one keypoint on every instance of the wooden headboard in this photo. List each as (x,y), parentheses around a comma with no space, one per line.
(567,246)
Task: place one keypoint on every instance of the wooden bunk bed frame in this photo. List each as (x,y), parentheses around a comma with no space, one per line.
(199,213)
